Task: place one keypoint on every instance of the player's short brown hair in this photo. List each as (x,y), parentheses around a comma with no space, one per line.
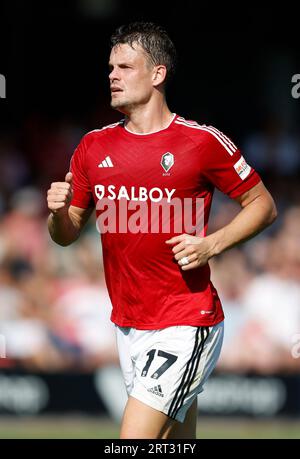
(153,39)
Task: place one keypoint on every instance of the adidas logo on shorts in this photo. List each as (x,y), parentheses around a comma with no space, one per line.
(156,390)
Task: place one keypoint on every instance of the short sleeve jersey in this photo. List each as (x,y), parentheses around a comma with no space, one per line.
(127,177)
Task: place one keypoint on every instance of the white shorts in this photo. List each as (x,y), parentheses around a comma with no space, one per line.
(166,369)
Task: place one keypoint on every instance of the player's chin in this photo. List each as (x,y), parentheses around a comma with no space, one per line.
(116,104)
(120,106)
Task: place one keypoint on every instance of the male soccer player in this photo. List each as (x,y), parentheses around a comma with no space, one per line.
(169,319)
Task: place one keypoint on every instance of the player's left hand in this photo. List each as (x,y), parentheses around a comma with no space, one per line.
(191,251)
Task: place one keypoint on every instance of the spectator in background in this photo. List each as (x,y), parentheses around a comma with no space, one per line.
(35,283)
(270,306)
(49,146)
(274,149)
(232,275)
(13,167)
(80,327)
(22,321)
(21,230)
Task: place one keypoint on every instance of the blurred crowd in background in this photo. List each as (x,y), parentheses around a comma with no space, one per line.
(55,309)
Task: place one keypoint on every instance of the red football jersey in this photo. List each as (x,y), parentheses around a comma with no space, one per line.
(147,287)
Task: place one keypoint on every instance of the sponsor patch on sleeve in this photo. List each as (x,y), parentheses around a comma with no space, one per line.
(242,168)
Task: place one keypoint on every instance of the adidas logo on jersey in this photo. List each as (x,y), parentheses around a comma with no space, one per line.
(156,390)
(107,162)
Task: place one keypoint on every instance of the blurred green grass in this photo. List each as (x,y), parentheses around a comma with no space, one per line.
(78,427)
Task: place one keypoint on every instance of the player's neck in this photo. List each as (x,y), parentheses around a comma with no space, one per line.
(144,120)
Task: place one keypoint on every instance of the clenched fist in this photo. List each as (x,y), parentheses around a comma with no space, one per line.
(60,195)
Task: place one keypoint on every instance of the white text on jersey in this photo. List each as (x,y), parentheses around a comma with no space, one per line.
(133,193)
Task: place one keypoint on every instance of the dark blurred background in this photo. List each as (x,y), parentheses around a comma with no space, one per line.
(235,72)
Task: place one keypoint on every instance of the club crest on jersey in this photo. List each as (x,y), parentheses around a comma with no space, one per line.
(99,189)
(167,161)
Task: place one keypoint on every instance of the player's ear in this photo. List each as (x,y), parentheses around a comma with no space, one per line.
(159,74)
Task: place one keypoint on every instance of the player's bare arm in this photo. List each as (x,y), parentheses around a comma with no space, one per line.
(258,212)
(65,222)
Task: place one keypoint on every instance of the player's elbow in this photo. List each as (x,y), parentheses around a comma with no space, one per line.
(274,214)
(271,211)
(64,243)
(62,239)
(61,242)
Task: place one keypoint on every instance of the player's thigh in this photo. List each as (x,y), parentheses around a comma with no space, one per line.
(143,421)
(186,429)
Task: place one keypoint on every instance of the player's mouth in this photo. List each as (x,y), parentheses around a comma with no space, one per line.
(115,89)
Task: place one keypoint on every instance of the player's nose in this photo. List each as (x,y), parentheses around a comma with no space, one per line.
(113,75)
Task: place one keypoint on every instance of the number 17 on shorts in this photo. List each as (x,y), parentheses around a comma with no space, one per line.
(167,368)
